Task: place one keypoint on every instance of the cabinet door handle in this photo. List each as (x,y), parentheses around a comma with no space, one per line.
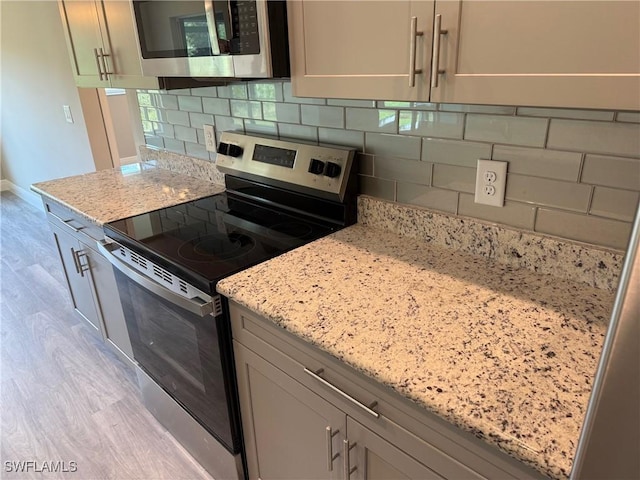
(366,408)
(413,27)
(97,55)
(330,456)
(104,64)
(348,470)
(82,267)
(75,260)
(435,58)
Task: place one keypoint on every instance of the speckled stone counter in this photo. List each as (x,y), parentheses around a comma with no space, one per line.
(113,194)
(503,352)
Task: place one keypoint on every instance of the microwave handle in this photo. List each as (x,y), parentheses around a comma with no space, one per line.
(211,26)
(197,306)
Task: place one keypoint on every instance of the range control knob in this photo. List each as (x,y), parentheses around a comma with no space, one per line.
(223,148)
(316,167)
(332,170)
(234,150)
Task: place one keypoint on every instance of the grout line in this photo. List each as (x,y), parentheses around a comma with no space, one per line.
(581,169)
(546,134)
(590,202)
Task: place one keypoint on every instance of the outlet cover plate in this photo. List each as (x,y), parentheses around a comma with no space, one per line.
(487,171)
(210,138)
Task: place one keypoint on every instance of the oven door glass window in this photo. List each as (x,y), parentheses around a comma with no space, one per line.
(182,353)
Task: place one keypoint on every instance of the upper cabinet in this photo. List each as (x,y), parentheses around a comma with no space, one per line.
(102,44)
(540,53)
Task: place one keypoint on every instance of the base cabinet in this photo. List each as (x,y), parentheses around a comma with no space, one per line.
(92,284)
(307,415)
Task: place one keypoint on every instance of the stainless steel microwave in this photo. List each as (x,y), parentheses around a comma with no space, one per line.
(213,38)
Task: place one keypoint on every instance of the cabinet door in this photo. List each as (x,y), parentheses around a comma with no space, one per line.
(121,45)
(373,458)
(559,53)
(359,49)
(108,303)
(82,32)
(74,261)
(289,431)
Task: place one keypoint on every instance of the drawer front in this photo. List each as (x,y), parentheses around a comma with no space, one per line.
(71,221)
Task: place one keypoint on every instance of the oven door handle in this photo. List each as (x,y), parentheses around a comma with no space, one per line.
(194,305)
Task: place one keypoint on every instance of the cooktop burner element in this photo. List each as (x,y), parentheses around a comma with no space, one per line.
(216,247)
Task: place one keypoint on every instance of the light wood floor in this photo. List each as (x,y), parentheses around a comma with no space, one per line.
(64,396)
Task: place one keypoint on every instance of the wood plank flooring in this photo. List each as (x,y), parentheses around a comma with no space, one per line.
(64,396)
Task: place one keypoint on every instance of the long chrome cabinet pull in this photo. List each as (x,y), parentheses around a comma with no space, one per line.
(104,64)
(66,222)
(412,51)
(82,268)
(366,408)
(75,260)
(347,462)
(435,62)
(330,456)
(97,55)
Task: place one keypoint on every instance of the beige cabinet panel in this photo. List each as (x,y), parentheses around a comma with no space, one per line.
(107,25)
(82,31)
(548,53)
(359,49)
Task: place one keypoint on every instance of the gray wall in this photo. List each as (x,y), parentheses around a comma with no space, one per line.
(37,143)
(572,173)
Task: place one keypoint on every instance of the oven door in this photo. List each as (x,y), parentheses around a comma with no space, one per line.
(202,38)
(183,345)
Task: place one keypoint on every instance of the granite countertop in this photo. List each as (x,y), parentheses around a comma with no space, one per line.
(114,194)
(503,352)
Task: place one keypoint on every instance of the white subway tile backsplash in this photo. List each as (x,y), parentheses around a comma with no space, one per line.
(377,187)
(174,145)
(281,112)
(420,153)
(289,98)
(566,113)
(298,132)
(518,215)
(337,102)
(189,104)
(614,138)
(584,228)
(199,119)
(414,171)
(431,124)
(176,117)
(540,162)
(611,171)
(454,152)
(372,120)
(216,106)
(510,130)
(235,90)
(261,127)
(321,116)
(347,138)
(246,109)
(186,134)
(614,203)
(453,177)
(392,145)
(267,91)
(547,192)
(428,197)
(489,109)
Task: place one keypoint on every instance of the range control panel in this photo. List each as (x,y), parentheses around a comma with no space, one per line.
(322,168)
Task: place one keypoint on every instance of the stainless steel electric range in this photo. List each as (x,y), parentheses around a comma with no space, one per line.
(279,195)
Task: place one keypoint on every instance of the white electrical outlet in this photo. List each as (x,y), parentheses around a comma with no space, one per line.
(491,182)
(210,138)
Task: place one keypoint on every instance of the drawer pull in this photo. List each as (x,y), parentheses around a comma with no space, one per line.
(366,408)
(66,222)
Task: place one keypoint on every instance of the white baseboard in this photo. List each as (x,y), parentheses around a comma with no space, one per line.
(26,195)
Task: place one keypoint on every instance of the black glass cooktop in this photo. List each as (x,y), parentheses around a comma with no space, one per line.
(208,239)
